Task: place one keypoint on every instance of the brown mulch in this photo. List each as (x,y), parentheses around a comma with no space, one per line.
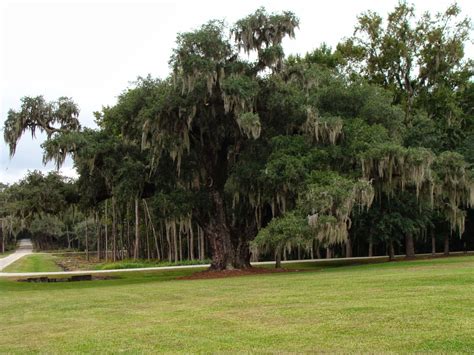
(76,262)
(214,274)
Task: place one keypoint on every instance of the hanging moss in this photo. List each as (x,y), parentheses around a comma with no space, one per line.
(330,200)
(249,123)
(326,130)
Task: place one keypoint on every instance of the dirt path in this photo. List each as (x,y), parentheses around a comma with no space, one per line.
(25,248)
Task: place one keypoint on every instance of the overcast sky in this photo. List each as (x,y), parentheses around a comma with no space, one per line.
(92,50)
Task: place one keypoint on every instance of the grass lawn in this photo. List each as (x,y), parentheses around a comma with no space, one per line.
(412,306)
(34,263)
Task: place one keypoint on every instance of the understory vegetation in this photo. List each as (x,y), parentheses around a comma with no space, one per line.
(365,149)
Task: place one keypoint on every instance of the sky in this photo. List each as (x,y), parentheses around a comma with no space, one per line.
(91,51)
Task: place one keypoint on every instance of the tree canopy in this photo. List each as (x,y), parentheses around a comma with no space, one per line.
(244,153)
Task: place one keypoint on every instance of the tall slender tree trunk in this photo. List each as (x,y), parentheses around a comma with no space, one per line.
(391,251)
(202,242)
(175,241)
(328,253)
(371,247)
(106,247)
(145,205)
(68,239)
(129,243)
(446,244)
(180,239)
(191,242)
(3,236)
(87,240)
(137,231)
(409,245)
(169,238)
(433,242)
(318,253)
(114,231)
(97,222)
(348,248)
(147,236)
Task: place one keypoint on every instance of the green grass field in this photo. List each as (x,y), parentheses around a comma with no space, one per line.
(409,306)
(34,263)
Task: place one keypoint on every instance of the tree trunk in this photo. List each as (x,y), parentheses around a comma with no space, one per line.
(3,237)
(318,252)
(147,236)
(391,251)
(158,256)
(175,241)
(241,236)
(218,234)
(433,243)
(202,255)
(409,246)
(137,230)
(87,241)
(97,221)
(180,243)
(446,244)
(129,244)
(278,258)
(106,247)
(191,242)
(348,248)
(371,247)
(328,253)
(114,231)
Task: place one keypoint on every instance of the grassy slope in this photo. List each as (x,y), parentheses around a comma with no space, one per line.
(34,263)
(424,305)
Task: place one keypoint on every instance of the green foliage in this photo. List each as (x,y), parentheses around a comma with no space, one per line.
(48,225)
(37,114)
(285,231)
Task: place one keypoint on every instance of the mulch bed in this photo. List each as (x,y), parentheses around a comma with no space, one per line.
(213,274)
(45,279)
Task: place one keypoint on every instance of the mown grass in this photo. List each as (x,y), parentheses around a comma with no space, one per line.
(34,263)
(415,306)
